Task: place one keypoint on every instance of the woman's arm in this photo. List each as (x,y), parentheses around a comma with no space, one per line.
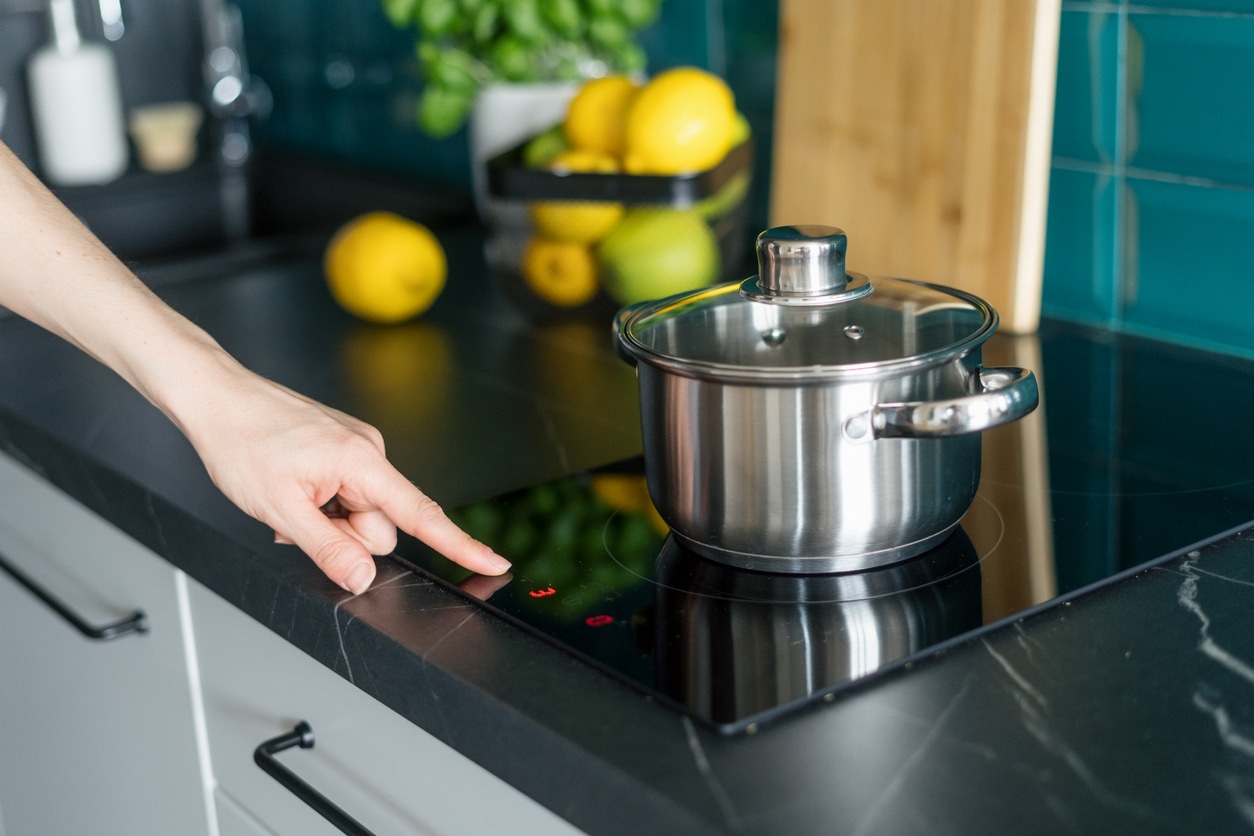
(276,454)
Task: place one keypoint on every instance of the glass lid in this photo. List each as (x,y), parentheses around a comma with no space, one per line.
(804,315)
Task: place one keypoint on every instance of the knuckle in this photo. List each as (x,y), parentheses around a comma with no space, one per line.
(427,510)
(373,435)
(331,554)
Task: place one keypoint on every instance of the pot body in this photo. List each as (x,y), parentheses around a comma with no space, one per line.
(793,477)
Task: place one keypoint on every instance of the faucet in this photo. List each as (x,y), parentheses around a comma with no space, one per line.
(235,96)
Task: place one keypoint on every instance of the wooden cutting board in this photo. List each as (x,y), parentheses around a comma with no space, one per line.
(922,128)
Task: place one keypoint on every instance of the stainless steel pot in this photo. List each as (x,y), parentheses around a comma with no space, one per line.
(813,420)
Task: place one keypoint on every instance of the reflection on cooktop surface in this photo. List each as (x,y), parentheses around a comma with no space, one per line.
(596,573)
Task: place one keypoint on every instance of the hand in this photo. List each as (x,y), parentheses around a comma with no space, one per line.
(278,455)
(283,458)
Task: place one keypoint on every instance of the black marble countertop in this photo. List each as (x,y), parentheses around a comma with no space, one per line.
(1126,706)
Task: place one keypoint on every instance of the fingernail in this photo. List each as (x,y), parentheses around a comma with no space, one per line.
(358,580)
(499,563)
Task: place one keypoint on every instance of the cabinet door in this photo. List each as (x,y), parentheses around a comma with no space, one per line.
(234,820)
(373,764)
(96,736)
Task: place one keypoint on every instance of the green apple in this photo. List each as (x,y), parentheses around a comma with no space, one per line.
(727,198)
(654,253)
(741,130)
(542,148)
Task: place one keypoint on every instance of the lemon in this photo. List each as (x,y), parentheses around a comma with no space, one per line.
(561,273)
(583,160)
(596,116)
(384,268)
(577,221)
(682,121)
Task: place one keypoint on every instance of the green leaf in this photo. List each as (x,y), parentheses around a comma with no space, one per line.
(513,58)
(608,32)
(639,13)
(442,112)
(485,25)
(438,17)
(629,57)
(448,67)
(400,13)
(564,16)
(603,8)
(524,20)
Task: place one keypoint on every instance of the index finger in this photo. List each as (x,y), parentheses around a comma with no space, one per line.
(417,514)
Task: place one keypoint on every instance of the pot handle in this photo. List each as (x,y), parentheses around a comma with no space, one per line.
(1006,394)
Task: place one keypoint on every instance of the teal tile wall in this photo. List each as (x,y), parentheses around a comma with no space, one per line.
(1152,183)
(346,83)
(1151,206)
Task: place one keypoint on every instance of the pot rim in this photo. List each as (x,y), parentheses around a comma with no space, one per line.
(789,375)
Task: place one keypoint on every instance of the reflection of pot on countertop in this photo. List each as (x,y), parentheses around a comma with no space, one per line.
(732,642)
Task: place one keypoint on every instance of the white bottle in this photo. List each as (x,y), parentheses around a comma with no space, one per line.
(77,106)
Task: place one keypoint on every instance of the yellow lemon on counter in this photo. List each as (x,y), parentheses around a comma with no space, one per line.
(682,121)
(561,273)
(597,116)
(577,221)
(384,268)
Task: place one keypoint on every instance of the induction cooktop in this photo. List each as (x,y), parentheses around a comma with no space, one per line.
(1118,468)
(596,573)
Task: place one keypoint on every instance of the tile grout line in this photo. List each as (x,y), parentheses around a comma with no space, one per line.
(1135,173)
(1167,11)
(1121,232)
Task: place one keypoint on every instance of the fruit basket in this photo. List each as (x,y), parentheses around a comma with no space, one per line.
(648,235)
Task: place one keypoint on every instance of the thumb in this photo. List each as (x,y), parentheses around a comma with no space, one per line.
(341,558)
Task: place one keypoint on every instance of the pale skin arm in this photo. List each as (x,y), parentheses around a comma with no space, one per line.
(276,454)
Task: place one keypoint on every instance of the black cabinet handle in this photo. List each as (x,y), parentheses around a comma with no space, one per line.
(137,622)
(303,736)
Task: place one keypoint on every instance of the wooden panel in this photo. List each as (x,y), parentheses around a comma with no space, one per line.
(1014,479)
(922,128)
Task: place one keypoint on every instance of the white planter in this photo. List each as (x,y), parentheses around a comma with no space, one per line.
(503,116)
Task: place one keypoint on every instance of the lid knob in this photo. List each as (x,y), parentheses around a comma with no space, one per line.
(802,260)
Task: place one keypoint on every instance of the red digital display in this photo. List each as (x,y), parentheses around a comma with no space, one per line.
(542,593)
(598,620)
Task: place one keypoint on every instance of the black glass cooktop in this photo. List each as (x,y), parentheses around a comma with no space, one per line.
(1117,468)
(595,572)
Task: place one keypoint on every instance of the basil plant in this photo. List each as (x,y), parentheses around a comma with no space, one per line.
(465,44)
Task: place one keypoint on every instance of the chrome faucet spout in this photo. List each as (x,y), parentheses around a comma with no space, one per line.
(235,97)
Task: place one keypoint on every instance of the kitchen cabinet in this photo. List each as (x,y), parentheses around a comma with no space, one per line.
(96,735)
(234,820)
(373,764)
